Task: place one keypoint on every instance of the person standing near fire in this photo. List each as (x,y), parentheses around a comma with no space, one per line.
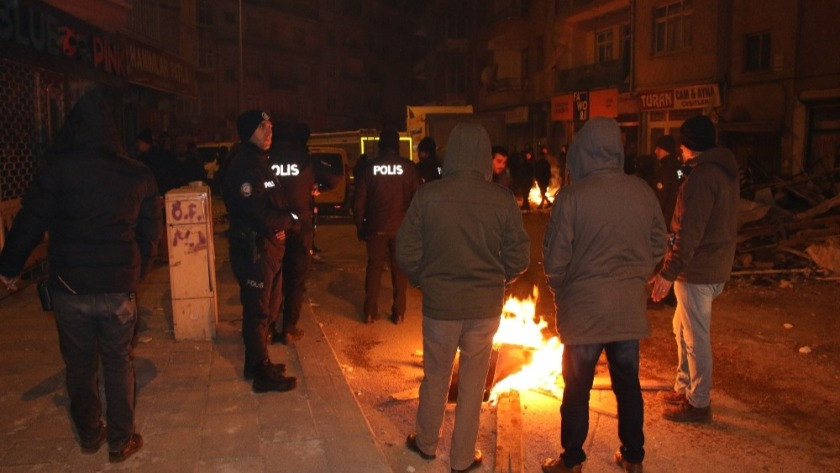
(698,263)
(666,183)
(429,165)
(300,176)
(501,173)
(101,210)
(386,190)
(260,221)
(462,241)
(604,237)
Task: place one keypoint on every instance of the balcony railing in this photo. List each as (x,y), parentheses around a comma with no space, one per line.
(593,76)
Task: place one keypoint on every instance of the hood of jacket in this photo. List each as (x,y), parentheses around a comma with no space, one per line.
(596,147)
(721,157)
(89,126)
(468,151)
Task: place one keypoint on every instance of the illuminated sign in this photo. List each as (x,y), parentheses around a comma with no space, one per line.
(694,96)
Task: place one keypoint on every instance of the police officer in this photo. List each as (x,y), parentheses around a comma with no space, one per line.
(381,202)
(300,177)
(259,223)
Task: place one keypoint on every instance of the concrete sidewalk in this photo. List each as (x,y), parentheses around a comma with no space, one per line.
(194,409)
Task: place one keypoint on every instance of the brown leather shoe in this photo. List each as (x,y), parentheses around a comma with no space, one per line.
(672,397)
(626,465)
(685,412)
(128,449)
(477,458)
(411,443)
(556,465)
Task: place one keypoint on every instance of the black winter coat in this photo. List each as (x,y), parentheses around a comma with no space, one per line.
(255,202)
(384,194)
(99,206)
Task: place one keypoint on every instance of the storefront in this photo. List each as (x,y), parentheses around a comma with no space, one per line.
(663,111)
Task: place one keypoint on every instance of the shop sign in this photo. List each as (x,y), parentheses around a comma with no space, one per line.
(581,106)
(603,103)
(517,115)
(158,70)
(47,30)
(561,108)
(694,96)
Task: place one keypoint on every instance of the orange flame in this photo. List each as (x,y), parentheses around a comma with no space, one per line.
(521,327)
(535,197)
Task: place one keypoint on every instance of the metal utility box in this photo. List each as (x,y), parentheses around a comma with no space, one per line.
(192,262)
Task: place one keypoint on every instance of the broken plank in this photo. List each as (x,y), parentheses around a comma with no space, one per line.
(509,449)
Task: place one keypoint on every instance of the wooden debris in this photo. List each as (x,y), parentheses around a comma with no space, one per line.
(510,456)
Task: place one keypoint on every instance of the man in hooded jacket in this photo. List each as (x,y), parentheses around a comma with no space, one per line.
(603,239)
(100,209)
(462,240)
(698,263)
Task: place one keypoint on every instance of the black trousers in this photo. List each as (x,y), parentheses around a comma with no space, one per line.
(90,327)
(297,262)
(260,292)
(381,248)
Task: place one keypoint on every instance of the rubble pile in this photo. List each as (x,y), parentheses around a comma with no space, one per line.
(790,226)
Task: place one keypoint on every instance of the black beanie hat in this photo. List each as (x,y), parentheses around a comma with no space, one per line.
(389,139)
(667,143)
(427,144)
(698,133)
(248,121)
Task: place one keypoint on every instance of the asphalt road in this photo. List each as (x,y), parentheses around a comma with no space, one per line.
(383,359)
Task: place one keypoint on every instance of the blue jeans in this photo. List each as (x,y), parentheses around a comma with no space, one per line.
(93,326)
(692,324)
(578,372)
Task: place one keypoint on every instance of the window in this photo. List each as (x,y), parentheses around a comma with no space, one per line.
(205,57)
(672,26)
(456,79)
(205,13)
(539,51)
(757,52)
(604,46)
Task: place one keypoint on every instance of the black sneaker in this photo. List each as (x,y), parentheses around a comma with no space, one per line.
(278,368)
(128,449)
(267,380)
(93,445)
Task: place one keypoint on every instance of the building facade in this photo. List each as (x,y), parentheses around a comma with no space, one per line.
(759,68)
(51,52)
(336,65)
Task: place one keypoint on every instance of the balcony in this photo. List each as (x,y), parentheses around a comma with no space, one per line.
(593,76)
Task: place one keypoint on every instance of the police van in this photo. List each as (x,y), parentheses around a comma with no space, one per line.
(354,143)
(335,201)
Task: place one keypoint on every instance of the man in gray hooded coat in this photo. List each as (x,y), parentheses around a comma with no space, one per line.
(604,237)
(461,241)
